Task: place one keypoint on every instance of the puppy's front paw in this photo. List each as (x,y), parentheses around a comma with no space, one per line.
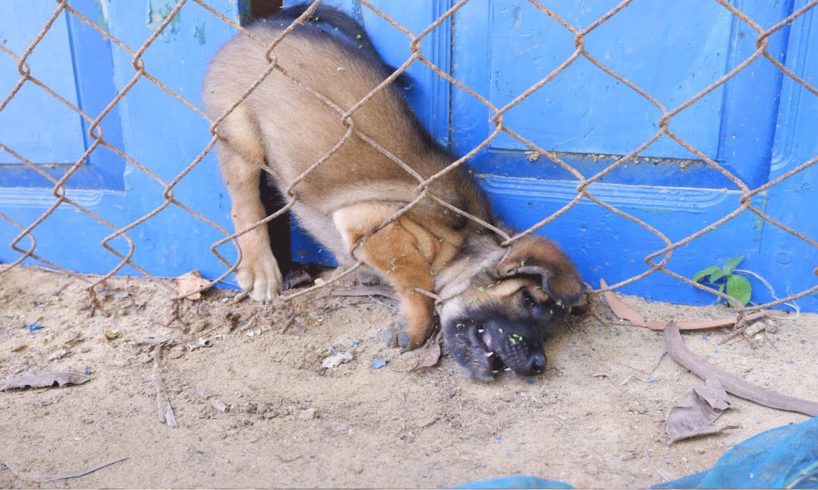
(260,277)
(407,336)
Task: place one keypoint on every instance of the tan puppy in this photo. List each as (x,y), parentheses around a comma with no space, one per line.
(497,300)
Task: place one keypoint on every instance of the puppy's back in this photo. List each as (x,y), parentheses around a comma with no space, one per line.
(330,56)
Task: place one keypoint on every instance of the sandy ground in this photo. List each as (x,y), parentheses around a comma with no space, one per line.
(256,409)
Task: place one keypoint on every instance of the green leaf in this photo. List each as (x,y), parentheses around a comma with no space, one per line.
(731,264)
(739,288)
(706,272)
(718,275)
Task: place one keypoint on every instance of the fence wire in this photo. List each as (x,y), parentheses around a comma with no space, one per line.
(26,245)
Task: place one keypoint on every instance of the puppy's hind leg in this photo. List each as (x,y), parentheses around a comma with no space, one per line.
(258,272)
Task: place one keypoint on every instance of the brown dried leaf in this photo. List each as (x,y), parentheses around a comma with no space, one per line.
(42,379)
(188,284)
(676,349)
(696,413)
(429,354)
(625,312)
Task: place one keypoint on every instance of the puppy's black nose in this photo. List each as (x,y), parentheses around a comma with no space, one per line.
(536,363)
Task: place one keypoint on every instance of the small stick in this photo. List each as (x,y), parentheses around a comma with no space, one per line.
(67,476)
(677,350)
(365,291)
(287,324)
(153,341)
(163,406)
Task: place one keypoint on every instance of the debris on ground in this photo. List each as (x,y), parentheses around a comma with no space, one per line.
(219,405)
(198,344)
(43,379)
(677,350)
(695,415)
(189,285)
(430,353)
(337,359)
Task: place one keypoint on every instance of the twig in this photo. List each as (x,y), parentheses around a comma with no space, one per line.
(153,341)
(365,291)
(66,476)
(677,350)
(163,406)
(288,323)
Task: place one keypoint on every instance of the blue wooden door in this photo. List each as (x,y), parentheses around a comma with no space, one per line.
(149,196)
(587,119)
(141,199)
(68,62)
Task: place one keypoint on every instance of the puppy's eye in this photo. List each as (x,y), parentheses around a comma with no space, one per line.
(528,300)
(535,309)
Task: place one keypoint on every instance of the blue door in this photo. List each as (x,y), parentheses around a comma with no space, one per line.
(122,125)
(728,174)
(594,97)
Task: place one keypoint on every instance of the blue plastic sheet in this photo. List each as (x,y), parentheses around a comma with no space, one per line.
(784,457)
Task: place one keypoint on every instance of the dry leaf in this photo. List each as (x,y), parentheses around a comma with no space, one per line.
(696,413)
(43,379)
(429,354)
(676,349)
(189,283)
(625,312)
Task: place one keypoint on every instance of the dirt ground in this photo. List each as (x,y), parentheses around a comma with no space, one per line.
(255,408)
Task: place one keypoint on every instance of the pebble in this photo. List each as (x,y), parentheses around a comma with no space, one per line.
(219,405)
(336,360)
(637,407)
(308,414)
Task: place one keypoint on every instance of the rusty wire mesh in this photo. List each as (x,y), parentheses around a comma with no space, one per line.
(26,245)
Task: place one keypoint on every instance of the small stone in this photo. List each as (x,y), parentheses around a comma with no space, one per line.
(336,360)
(219,405)
(308,414)
(755,329)
(57,354)
(111,334)
(636,407)
(427,422)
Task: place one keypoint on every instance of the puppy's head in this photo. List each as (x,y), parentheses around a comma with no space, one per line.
(498,321)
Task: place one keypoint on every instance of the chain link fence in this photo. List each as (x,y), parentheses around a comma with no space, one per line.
(25,245)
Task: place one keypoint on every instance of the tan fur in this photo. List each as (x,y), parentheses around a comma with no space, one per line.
(284,129)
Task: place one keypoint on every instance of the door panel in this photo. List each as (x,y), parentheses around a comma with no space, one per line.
(75,62)
(671,50)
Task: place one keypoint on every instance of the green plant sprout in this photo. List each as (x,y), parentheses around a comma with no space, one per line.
(726,280)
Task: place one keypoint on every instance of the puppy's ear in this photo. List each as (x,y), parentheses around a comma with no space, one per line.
(534,255)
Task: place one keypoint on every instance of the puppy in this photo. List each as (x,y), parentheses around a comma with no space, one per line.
(494,302)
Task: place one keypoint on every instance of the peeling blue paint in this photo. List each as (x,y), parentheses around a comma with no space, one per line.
(102,17)
(199,34)
(158,11)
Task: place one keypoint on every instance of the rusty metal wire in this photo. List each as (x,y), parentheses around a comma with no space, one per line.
(656,261)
